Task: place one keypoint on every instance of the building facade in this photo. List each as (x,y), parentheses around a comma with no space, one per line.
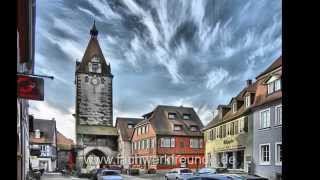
(25,64)
(125,127)
(228,137)
(44,137)
(168,137)
(95,135)
(65,152)
(267,126)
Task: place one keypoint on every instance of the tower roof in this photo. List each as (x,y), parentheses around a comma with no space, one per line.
(94,31)
(93,50)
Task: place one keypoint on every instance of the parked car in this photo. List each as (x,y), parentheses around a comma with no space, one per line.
(178,174)
(206,171)
(245,177)
(94,173)
(211,177)
(107,174)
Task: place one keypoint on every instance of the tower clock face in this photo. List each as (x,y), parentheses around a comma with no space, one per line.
(94,81)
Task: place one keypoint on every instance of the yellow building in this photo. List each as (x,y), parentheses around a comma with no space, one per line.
(228,137)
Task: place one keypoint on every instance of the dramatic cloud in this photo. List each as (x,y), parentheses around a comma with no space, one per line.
(193,53)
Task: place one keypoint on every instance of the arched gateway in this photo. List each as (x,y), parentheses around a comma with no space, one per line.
(95,135)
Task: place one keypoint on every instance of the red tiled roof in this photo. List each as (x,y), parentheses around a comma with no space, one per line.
(277,63)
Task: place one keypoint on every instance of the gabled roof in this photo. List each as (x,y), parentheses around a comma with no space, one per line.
(122,126)
(93,50)
(229,116)
(277,63)
(262,97)
(47,129)
(164,126)
(64,143)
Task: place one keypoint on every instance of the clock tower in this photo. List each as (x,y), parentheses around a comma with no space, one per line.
(95,135)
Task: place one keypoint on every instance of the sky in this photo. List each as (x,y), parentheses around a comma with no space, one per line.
(195,53)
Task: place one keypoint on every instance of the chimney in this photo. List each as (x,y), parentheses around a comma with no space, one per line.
(222,109)
(249,82)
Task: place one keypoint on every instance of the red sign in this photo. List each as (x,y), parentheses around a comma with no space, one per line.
(30,87)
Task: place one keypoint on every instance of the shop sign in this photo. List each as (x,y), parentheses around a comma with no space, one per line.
(30,87)
(228,141)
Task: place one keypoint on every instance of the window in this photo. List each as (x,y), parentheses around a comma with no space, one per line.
(277,84)
(186,116)
(167,142)
(172,142)
(236,127)
(270,88)
(278,153)
(172,115)
(265,118)
(241,125)
(152,143)
(211,134)
(193,128)
(232,128)
(278,115)
(37,133)
(247,101)
(228,129)
(234,107)
(220,131)
(274,85)
(177,127)
(147,128)
(146,145)
(130,126)
(86,79)
(265,154)
(223,131)
(143,130)
(195,143)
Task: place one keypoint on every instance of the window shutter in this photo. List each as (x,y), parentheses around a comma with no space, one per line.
(246,124)
(161,142)
(173,142)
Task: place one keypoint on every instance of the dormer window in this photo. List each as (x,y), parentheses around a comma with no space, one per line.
(274,84)
(234,107)
(186,116)
(177,128)
(193,128)
(94,65)
(247,101)
(130,126)
(172,115)
(37,133)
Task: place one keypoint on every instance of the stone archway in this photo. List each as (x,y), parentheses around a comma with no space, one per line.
(95,158)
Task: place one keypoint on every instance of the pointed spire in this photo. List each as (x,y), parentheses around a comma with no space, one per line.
(94,31)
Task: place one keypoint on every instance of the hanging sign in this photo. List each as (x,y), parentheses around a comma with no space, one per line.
(30,87)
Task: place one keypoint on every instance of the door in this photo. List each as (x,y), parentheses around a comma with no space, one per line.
(230,160)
